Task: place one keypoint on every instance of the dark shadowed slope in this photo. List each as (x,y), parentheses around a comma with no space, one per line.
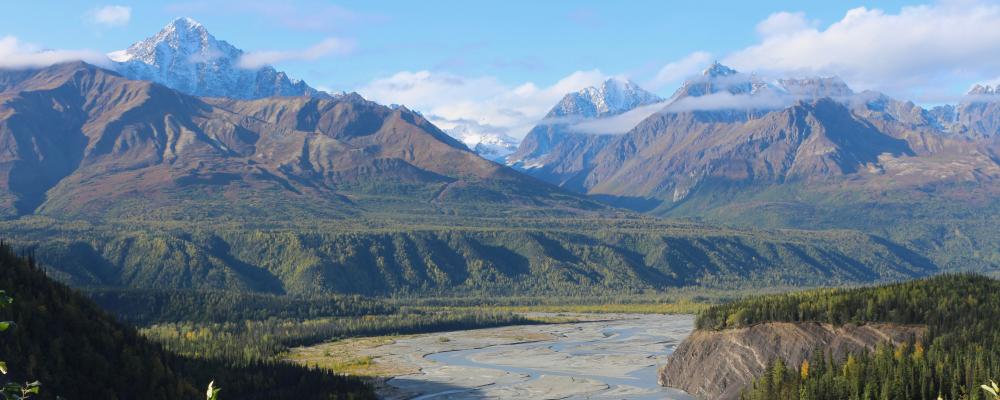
(76,350)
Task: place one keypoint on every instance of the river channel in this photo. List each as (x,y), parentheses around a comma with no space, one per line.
(614,358)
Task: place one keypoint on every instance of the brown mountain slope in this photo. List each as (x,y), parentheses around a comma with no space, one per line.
(732,131)
(881,144)
(81,141)
(670,153)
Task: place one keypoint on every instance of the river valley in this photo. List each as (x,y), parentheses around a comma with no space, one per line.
(609,357)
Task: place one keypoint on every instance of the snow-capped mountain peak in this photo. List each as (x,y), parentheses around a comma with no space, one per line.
(616,96)
(185,56)
(719,78)
(613,97)
(717,70)
(180,41)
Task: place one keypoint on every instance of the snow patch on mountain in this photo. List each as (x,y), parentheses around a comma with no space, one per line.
(489,144)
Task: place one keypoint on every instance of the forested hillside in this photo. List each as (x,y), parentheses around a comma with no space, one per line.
(78,351)
(248,329)
(952,225)
(960,351)
(510,257)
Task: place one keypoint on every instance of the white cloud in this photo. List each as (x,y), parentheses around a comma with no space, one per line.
(784,23)
(446,99)
(680,69)
(918,47)
(915,53)
(15,54)
(619,123)
(729,101)
(329,46)
(111,16)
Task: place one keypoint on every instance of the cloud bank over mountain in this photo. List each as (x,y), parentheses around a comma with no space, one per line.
(912,53)
(447,99)
(873,49)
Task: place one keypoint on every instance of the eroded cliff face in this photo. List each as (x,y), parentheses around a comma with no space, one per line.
(719,364)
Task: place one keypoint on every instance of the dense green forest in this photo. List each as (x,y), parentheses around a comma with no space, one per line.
(77,350)
(960,351)
(146,307)
(249,342)
(246,328)
(951,230)
(446,257)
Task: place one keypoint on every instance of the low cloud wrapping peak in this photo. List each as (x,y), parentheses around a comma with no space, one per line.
(15,54)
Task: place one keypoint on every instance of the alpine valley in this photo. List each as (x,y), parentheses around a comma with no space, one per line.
(253,229)
(111,179)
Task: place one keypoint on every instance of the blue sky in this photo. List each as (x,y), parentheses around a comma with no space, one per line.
(477,60)
(540,41)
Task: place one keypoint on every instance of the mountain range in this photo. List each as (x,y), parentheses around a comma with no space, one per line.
(737,149)
(182,168)
(121,182)
(186,57)
(728,127)
(738,128)
(80,140)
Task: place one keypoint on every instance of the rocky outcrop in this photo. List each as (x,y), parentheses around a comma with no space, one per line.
(719,364)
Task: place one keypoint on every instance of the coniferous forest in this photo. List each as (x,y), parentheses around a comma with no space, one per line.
(76,350)
(960,351)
